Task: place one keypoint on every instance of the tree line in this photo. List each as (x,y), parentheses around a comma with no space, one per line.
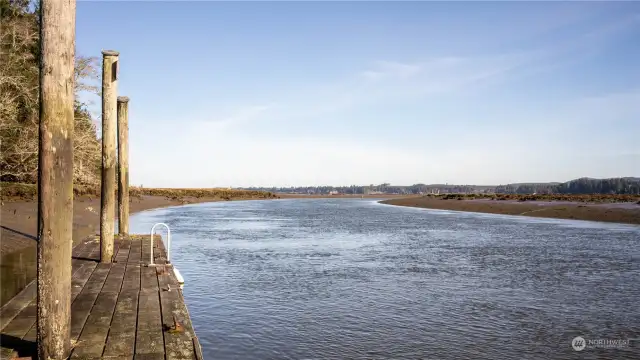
(628,185)
(19,100)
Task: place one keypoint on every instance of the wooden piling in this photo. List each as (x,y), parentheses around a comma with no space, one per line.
(109,108)
(123,165)
(55,177)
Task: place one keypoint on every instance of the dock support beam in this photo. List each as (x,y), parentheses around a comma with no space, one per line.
(55,177)
(109,108)
(123,165)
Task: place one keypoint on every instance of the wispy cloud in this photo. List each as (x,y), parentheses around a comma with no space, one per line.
(392,80)
(387,69)
(239,117)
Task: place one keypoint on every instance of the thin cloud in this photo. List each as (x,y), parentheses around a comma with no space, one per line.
(386,69)
(389,81)
(240,117)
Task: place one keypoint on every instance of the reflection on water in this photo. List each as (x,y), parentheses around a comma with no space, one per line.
(345,278)
(17,269)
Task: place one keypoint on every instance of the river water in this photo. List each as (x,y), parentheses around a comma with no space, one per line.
(354,279)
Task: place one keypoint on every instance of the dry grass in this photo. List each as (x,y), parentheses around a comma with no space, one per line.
(586,198)
(18,191)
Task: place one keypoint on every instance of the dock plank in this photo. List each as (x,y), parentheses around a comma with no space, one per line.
(94,333)
(14,306)
(149,338)
(121,310)
(122,334)
(135,250)
(145,250)
(123,249)
(83,304)
(178,345)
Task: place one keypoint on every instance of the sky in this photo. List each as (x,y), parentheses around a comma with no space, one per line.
(338,93)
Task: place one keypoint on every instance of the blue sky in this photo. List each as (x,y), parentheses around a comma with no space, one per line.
(339,93)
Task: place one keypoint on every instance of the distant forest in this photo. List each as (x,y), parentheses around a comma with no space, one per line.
(625,185)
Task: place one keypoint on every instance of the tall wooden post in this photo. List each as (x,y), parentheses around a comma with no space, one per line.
(123,165)
(55,177)
(107,200)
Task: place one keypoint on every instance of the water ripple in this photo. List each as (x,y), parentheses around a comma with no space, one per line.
(353,279)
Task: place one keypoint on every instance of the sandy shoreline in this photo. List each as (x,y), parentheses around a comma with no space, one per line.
(626,213)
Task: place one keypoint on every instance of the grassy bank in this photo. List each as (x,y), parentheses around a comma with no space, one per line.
(608,208)
(27,192)
(581,198)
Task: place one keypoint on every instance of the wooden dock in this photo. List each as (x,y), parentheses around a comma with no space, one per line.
(122,310)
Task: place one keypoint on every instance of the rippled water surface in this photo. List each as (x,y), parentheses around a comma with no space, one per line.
(354,279)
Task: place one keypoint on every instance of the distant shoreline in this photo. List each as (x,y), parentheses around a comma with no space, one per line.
(624,213)
(342,196)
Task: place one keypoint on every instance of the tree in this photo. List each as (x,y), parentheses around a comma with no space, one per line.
(19,81)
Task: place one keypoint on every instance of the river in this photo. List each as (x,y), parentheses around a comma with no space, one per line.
(354,279)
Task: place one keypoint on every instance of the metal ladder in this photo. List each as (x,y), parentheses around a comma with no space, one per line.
(151,263)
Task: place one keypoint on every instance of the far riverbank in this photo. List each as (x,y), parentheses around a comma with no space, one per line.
(626,213)
(342,196)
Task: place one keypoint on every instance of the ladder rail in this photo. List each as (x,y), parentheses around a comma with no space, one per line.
(153,229)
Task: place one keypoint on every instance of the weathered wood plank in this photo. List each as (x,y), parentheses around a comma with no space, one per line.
(178,345)
(135,249)
(122,335)
(14,306)
(115,278)
(148,280)
(120,345)
(149,357)
(149,317)
(21,324)
(83,304)
(149,343)
(94,334)
(122,256)
(85,247)
(145,247)
(149,338)
(81,277)
(131,277)
(94,245)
